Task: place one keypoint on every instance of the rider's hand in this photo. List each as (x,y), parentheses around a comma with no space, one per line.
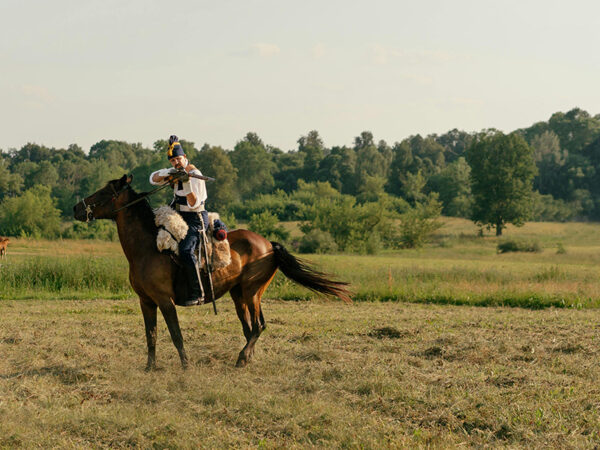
(179,175)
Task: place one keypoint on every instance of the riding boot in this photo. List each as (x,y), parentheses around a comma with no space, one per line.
(195,291)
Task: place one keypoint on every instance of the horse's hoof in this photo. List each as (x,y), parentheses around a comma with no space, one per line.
(150,368)
(241,362)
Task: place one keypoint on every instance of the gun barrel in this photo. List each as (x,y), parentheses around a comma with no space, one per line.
(201,177)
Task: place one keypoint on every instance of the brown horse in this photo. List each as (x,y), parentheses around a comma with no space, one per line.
(3,246)
(155,277)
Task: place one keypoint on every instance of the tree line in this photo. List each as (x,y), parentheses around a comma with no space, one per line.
(550,171)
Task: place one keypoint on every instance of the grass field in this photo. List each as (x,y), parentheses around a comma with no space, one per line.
(325,374)
(403,366)
(457,268)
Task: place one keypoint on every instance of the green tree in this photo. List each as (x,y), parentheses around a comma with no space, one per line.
(254,166)
(502,172)
(371,160)
(550,160)
(311,146)
(455,143)
(290,167)
(10,183)
(31,214)
(454,188)
(214,162)
(576,129)
(371,189)
(418,224)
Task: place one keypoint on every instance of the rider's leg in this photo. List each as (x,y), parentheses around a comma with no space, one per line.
(188,259)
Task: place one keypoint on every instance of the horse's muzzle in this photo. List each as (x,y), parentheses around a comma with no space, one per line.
(80,213)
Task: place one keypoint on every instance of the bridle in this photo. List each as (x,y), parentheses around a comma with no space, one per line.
(89,207)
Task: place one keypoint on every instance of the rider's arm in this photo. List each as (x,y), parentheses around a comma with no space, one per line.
(157,178)
(197,188)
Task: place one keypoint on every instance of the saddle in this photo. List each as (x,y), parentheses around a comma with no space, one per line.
(172,229)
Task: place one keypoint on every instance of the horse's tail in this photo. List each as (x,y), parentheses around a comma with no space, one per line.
(300,272)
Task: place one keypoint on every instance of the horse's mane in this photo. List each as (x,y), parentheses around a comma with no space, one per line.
(143,210)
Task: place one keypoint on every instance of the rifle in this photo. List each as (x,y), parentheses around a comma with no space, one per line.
(182,175)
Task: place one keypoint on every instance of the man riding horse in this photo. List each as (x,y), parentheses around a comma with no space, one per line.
(189,197)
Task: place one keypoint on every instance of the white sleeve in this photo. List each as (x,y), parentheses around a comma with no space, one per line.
(198,187)
(162,173)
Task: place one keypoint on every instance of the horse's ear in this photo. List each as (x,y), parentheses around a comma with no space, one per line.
(126,179)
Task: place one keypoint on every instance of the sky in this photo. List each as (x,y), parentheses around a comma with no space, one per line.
(211,71)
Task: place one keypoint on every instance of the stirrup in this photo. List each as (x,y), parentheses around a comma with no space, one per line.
(191,302)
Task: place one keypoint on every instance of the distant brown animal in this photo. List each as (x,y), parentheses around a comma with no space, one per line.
(155,276)
(3,246)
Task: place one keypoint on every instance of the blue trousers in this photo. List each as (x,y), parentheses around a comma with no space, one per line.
(189,243)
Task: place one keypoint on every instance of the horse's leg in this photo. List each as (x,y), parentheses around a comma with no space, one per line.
(242,307)
(170,314)
(249,311)
(149,312)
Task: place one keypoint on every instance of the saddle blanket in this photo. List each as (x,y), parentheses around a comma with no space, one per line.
(172,229)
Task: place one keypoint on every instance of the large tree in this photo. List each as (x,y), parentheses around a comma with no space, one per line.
(214,162)
(502,172)
(254,167)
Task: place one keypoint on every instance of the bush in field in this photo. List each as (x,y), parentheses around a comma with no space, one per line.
(547,208)
(103,230)
(294,206)
(356,228)
(518,245)
(229,220)
(418,224)
(317,241)
(31,214)
(273,203)
(267,225)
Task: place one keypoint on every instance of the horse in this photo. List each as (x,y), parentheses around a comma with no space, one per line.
(3,246)
(156,278)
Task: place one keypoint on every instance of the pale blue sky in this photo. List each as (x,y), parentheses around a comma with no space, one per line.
(81,71)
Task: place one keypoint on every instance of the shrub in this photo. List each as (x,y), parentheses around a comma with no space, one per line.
(419,223)
(547,208)
(229,220)
(103,229)
(317,241)
(267,225)
(356,228)
(518,245)
(31,214)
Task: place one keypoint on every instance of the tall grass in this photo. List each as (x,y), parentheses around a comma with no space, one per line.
(460,268)
(64,277)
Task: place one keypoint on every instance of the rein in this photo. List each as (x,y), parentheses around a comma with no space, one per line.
(89,211)
(143,197)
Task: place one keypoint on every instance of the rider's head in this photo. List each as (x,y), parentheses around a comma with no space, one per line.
(176,154)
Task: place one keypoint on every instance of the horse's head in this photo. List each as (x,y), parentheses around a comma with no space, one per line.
(103,203)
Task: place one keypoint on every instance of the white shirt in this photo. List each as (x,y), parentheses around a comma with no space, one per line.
(194,185)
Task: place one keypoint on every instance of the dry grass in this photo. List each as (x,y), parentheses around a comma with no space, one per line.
(325,375)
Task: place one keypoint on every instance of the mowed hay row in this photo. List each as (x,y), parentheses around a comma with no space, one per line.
(324,374)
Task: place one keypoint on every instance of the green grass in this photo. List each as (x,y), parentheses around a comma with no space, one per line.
(387,371)
(457,268)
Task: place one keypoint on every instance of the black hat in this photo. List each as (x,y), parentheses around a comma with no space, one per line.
(175,149)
